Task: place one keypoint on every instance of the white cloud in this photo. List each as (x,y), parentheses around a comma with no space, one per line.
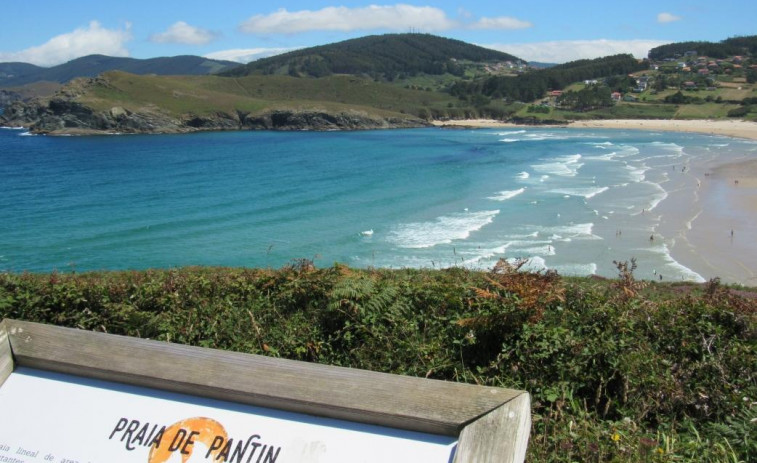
(392,17)
(182,32)
(398,17)
(502,22)
(571,50)
(81,42)
(667,18)
(245,55)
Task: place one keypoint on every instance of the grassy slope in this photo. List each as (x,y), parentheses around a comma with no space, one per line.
(618,370)
(202,95)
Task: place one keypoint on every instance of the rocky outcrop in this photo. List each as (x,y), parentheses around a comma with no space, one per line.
(321,121)
(8,97)
(63,115)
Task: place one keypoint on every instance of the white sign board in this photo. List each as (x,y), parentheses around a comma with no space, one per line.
(52,417)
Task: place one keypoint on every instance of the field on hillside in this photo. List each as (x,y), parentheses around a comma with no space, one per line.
(203,95)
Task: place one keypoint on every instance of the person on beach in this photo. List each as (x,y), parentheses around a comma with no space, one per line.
(651,238)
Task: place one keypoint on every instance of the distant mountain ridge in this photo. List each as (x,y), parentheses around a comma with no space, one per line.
(18,74)
(387,56)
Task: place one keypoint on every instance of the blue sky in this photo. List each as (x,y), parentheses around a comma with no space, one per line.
(50,32)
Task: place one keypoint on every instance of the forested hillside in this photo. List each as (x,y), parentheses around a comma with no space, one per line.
(387,56)
(533,85)
(734,46)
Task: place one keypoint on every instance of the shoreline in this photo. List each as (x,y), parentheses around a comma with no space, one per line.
(712,198)
(727,128)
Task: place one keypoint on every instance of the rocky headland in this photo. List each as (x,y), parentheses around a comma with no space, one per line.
(60,116)
(73,111)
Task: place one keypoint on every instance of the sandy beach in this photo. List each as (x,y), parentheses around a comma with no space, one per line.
(709,218)
(729,128)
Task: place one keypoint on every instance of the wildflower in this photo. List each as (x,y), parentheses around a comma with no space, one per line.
(615,437)
(660,450)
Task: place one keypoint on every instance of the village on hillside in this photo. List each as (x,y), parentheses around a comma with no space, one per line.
(707,87)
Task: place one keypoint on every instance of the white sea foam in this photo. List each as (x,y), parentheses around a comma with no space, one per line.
(577,269)
(627,151)
(669,146)
(564,166)
(523,175)
(690,222)
(636,173)
(547,250)
(676,268)
(534,264)
(657,197)
(11,128)
(604,157)
(527,243)
(510,132)
(509,140)
(442,230)
(573,231)
(507,194)
(481,254)
(27,134)
(522,236)
(367,232)
(603,144)
(585,192)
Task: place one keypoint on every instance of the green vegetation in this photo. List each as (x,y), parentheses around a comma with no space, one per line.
(619,370)
(383,57)
(533,85)
(586,99)
(728,47)
(256,94)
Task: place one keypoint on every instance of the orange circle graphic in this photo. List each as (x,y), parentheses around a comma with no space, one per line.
(205,429)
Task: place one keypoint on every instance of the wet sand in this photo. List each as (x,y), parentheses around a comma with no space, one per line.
(705,205)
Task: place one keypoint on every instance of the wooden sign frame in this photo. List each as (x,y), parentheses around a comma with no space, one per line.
(491,424)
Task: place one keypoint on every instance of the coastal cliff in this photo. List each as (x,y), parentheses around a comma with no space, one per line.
(59,117)
(105,105)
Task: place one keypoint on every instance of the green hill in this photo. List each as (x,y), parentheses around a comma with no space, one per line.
(729,47)
(387,56)
(18,74)
(11,71)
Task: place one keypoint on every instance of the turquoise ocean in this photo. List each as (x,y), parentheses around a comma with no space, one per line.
(572,200)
